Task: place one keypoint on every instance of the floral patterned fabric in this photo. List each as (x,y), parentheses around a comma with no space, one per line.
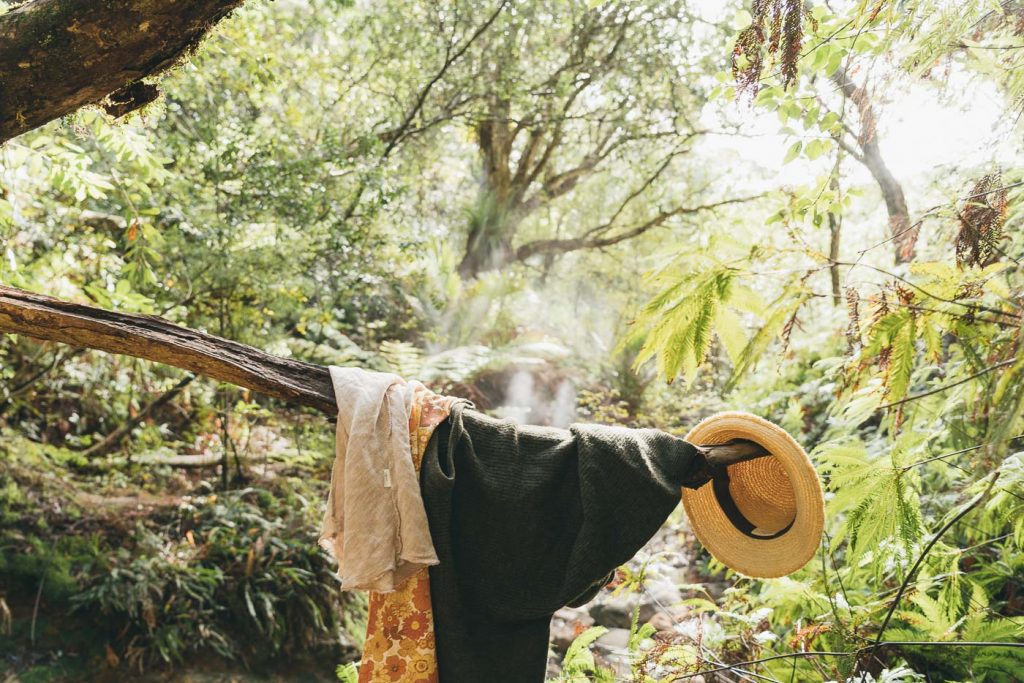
(400,625)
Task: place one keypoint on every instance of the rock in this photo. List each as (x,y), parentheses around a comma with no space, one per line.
(614,611)
(663,621)
(612,650)
(658,596)
(554,668)
(566,624)
(615,639)
(663,596)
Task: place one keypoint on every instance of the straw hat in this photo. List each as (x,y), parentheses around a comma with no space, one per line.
(766,517)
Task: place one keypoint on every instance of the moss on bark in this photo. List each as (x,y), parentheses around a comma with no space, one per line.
(59,55)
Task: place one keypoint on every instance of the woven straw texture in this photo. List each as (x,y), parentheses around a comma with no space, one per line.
(768,491)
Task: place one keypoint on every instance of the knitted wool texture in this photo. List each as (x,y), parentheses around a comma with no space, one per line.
(528,519)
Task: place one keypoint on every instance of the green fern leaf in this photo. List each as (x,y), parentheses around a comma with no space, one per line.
(882,333)
(902,364)
(881,507)
(730,332)
(782,310)
(676,326)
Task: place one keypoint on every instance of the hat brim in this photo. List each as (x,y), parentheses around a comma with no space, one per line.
(758,557)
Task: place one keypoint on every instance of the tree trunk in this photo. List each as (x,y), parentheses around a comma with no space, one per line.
(903,234)
(491,227)
(59,55)
(489,242)
(835,230)
(156,339)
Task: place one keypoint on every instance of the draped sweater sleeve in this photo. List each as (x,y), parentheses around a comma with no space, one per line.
(528,519)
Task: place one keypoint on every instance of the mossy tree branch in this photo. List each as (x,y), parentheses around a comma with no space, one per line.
(59,55)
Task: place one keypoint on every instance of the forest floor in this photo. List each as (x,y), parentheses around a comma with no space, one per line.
(100,568)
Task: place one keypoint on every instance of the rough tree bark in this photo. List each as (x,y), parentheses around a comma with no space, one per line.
(156,339)
(59,55)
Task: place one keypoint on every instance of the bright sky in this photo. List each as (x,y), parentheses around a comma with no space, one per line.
(919,130)
(922,126)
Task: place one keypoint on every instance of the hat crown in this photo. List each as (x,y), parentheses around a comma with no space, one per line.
(763,493)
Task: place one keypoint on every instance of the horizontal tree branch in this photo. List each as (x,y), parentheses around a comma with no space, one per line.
(157,339)
(561,246)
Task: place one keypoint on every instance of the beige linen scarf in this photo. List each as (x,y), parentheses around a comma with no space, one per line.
(375,525)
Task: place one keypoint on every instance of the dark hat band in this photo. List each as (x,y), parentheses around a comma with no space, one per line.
(720,485)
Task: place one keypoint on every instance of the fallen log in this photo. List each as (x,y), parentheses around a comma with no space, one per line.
(156,339)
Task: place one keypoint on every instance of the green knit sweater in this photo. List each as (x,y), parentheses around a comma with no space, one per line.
(528,519)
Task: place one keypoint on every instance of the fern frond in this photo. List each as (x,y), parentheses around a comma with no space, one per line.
(403,358)
(782,309)
(902,361)
(880,506)
(731,333)
(882,333)
(676,325)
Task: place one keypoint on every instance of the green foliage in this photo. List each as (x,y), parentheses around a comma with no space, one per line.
(677,325)
(578,665)
(1005,509)
(878,497)
(238,575)
(348,673)
(313,183)
(923,403)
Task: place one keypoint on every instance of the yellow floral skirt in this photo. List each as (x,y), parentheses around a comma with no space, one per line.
(400,625)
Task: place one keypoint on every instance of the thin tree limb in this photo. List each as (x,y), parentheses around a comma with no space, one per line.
(58,359)
(944,387)
(561,246)
(400,132)
(111,441)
